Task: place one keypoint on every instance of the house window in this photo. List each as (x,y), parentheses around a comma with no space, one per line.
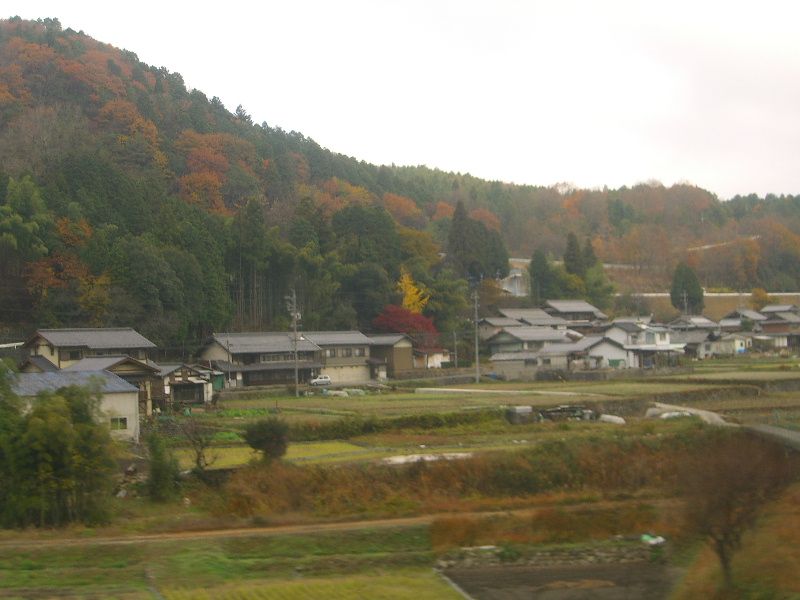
(545,361)
(530,362)
(330,352)
(360,351)
(347,352)
(662,337)
(119,423)
(74,355)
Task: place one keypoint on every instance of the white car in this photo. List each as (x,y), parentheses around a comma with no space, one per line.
(321,380)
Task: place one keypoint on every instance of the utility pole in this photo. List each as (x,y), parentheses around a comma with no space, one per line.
(455,347)
(685,302)
(291,305)
(477,353)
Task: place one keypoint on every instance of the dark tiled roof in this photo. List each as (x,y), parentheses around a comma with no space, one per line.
(41,363)
(99,338)
(575,306)
(532,316)
(103,363)
(533,334)
(387,339)
(263,342)
(338,338)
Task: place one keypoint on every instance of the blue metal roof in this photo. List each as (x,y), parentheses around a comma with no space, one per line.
(30,384)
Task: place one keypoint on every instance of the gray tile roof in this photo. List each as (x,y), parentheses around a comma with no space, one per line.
(387,339)
(746,313)
(502,322)
(263,342)
(532,316)
(99,338)
(30,384)
(773,308)
(338,338)
(573,306)
(533,334)
(788,317)
(693,336)
(627,326)
(103,363)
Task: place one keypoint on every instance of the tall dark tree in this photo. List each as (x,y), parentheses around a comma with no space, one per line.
(686,293)
(542,277)
(474,250)
(589,257)
(574,257)
(458,243)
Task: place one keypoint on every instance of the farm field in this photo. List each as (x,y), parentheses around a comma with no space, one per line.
(553,464)
(331,565)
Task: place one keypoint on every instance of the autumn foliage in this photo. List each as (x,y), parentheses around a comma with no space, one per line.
(396,319)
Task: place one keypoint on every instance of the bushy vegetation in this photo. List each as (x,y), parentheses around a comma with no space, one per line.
(268,436)
(56,458)
(342,429)
(572,465)
(163,479)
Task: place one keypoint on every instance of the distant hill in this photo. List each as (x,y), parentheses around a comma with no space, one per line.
(129,199)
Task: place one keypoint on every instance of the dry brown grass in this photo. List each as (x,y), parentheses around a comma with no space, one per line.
(768,564)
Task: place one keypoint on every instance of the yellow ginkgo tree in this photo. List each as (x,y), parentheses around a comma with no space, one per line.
(415,296)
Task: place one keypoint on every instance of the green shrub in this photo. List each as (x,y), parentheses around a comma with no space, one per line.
(163,482)
(268,436)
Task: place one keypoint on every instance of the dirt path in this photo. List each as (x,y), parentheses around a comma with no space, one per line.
(299,529)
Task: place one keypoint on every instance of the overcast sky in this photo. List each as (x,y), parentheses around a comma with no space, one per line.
(590,93)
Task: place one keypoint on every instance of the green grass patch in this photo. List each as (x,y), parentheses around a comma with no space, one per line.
(186,566)
(407,584)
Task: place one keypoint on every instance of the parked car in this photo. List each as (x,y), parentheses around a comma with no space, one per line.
(321,380)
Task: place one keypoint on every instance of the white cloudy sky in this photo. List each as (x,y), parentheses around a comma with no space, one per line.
(593,93)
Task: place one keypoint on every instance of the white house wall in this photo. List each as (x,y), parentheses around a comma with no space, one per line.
(347,374)
(122,405)
(609,352)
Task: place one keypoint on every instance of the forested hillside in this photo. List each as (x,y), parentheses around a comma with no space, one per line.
(126,198)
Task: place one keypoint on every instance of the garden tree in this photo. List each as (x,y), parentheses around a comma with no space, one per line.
(759,298)
(200,437)
(727,482)
(415,297)
(686,294)
(268,436)
(396,319)
(56,458)
(163,480)
(574,257)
